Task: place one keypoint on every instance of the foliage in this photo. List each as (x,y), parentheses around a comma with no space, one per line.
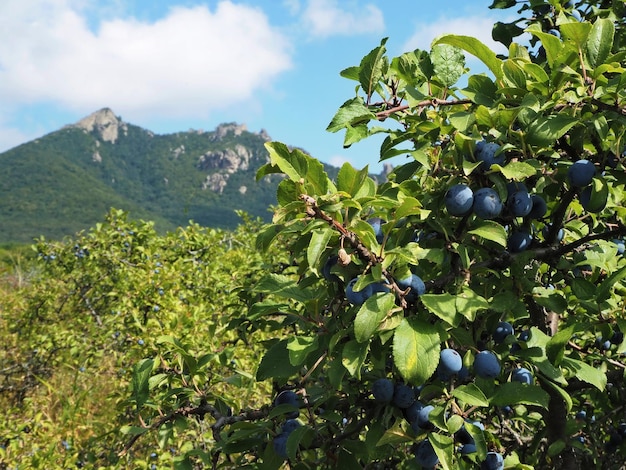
(53,187)
(519,128)
(100,302)
(374,288)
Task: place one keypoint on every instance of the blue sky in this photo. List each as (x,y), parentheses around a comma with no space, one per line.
(174,65)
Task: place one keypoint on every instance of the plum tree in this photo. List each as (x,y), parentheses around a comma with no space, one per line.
(535,131)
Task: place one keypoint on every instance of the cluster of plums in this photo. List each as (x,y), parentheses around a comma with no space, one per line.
(485,202)
(286,397)
(405,397)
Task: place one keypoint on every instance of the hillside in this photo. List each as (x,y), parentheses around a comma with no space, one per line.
(67,180)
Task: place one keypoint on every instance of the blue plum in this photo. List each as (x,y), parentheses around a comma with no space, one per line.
(425,454)
(382,389)
(486,365)
(488,154)
(503,329)
(519,203)
(459,200)
(487,203)
(415,283)
(520,240)
(539,208)
(522,375)
(403,396)
(581,173)
(450,361)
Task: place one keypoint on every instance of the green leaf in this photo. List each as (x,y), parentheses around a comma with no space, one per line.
(513,393)
(604,289)
(372,68)
(283,286)
(409,206)
(350,180)
(518,171)
(416,347)
(462,121)
(468,303)
(490,230)
(300,347)
(544,131)
(444,448)
(566,397)
(276,364)
(477,49)
(576,32)
(394,436)
(352,112)
(471,395)
(481,90)
(449,63)
(585,372)
(371,314)
(355,134)
(442,305)
(600,41)
(317,245)
(353,357)
(552,45)
(513,74)
(599,195)
(141,381)
(293,164)
(555,348)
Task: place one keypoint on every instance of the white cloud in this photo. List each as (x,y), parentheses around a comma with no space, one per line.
(324,18)
(477,26)
(293,6)
(339,160)
(188,63)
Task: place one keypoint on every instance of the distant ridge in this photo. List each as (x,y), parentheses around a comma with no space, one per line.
(67,180)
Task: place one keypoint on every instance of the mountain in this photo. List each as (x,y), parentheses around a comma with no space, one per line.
(69,179)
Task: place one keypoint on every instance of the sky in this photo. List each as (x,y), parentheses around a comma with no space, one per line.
(171,66)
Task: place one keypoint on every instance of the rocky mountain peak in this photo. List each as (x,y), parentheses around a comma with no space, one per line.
(105,123)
